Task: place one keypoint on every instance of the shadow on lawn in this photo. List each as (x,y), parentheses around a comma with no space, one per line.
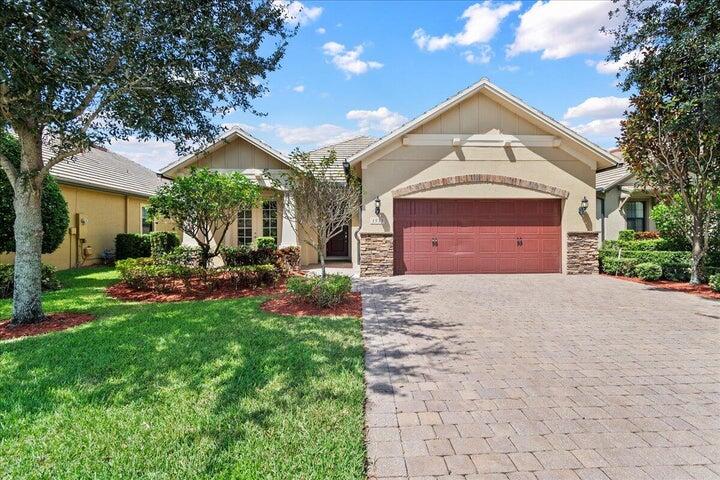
(142,353)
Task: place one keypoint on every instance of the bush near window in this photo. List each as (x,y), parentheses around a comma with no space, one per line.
(323,292)
(715,282)
(162,242)
(131,245)
(266,243)
(646,235)
(289,259)
(49,279)
(285,259)
(626,235)
(182,255)
(649,271)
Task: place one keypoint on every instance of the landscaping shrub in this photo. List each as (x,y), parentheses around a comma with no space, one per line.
(48,281)
(649,271)
(323,292)
(237,256)
(266,243)
(131,245)
(714,282)
(658,244)
(626,235)
(646,235)
(252,275)
(676,272)
(162,242)
(182,255)
(620,266)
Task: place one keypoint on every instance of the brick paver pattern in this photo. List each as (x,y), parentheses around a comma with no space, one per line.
(538,377)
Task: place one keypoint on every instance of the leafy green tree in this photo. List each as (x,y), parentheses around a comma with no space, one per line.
(76,73)
(318,204)
(670,135)
(54,209)
(674,222)
(204,204)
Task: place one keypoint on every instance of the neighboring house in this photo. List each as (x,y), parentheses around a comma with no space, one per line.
(106,194)
(481,183)
(621,205)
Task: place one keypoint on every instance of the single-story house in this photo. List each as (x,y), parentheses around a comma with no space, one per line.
(621,204)
(480,183)
(106,194)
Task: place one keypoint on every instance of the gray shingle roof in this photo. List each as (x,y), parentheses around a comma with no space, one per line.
(104,170)
(610,177)
(343,150)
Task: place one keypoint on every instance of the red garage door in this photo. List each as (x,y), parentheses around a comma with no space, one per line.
(477,236)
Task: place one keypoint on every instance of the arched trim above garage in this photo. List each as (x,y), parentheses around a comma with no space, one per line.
(479,178)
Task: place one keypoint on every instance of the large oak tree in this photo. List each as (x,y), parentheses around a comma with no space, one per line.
(74,73)
(671,134)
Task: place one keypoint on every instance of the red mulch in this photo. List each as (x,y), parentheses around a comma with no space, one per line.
(289,305)
(700,290)
(179,293)
(52,323)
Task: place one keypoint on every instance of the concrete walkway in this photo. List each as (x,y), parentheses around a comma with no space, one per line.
(540,377)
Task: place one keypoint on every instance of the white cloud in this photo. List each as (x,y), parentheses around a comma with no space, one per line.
(296,13)
(153,154)
(316,135)
(482,55)
(348,61)
(561,29)
(610,67)
(601,128)
(298,88)
(598,108)
(509,68)
(381,119)
(320,31)
(482,21)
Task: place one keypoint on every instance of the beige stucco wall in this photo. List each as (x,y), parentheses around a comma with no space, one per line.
(107,213)
(615,220)
(401,166)
(238,155)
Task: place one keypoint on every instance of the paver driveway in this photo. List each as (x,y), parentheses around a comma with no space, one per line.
(540,376)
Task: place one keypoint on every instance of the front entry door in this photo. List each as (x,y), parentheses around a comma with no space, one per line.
(338,245)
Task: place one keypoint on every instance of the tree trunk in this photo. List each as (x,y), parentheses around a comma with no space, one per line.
(27,293)
(698,252)
(322,264)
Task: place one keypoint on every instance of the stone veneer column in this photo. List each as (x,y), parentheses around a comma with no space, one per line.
(582,253)
(376,254)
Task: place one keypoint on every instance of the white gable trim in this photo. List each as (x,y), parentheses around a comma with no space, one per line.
(223,140)
(572,142)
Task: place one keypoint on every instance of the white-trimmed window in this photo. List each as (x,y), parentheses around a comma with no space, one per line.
(269,219)
(635,216)
(244,233)
(146,223)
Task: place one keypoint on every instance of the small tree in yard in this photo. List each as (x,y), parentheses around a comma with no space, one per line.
(318,204)
(80,73)
(204,204)
(671,135)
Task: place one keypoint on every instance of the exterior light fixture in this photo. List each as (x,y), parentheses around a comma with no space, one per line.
(583,206)
(346,168)
(377,205)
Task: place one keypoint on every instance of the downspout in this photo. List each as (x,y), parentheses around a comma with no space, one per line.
(602,219)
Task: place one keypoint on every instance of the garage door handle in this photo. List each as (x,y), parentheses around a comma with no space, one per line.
(519,241)
(434,242)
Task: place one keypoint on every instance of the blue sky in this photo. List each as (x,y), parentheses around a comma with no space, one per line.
(366,67)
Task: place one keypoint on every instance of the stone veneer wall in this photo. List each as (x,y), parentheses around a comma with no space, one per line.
(582,253)
(376,254)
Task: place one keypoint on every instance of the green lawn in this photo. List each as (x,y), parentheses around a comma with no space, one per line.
(180,390)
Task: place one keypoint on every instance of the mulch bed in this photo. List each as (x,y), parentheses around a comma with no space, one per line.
(287,304)
(179,293)
(52,323)
(700,290)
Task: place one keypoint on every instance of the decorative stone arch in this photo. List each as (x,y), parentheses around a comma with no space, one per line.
(480,178)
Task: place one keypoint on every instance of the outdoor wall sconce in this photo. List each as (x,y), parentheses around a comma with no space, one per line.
(583,206)
(377,205)
(346,168)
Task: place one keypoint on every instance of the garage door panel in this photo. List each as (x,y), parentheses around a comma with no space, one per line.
(477,236)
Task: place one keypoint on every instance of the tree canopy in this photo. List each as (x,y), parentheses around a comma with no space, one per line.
(671,134)
(204,204)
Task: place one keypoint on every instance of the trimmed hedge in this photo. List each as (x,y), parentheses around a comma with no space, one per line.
(626,235)
(266,243)
(162,242)
(244,255)
(323,292)
(48,281)
(648,271)
(714,282)
(131,245)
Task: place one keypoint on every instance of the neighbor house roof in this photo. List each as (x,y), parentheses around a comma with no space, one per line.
(222,140)
(101,169)
(343,151)
(604,158)
(613,176)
